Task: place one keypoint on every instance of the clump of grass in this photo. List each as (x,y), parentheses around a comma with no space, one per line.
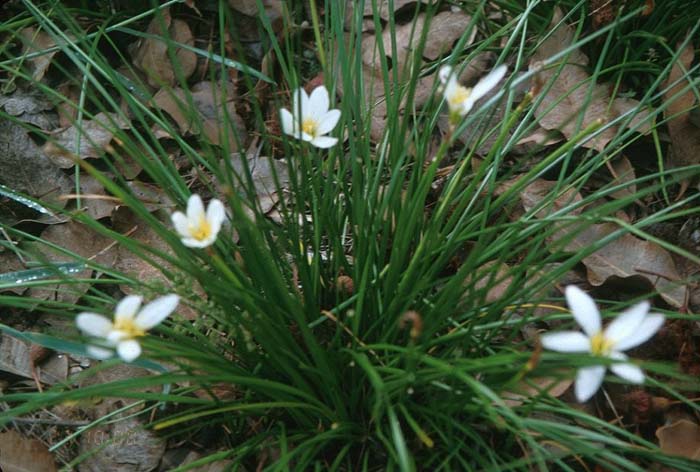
(359,330)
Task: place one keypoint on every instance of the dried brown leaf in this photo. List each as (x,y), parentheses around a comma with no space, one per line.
(151,54)
(681,438)
(383,7)
(25,168)
(685,135)
(36,41)
(93,137)
(20,454)
(629,256)
(574,102)
(81,240)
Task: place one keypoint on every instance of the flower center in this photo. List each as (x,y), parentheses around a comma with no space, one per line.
(202,231)
(309,126)
(459,95)
(600,346)
(128,327)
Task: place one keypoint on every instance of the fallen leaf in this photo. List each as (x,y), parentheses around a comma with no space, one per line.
(528,388)
(95,199)
(573,102)
(16,358)
(383,7)
(152,196)
(29,106)
(38,42)
(125,445)
(497,281)
(681,438)
(214,114)
(84,140)
(151,55)
(629,256)
(25,168)
(81,240)
(261,171)
(18,452)
(684,134)
(623,173)
(221,465)
(537,191)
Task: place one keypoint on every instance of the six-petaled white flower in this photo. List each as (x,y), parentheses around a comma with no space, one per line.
(631,328)
(310,118)
(129,324)
(197,228)
(460,99)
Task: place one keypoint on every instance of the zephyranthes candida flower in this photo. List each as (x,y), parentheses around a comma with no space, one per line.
(129,324)
(197,228)
(311,117)
(460,99)
(630,329)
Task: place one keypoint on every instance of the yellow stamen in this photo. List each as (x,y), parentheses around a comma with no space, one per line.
(309,126)
(459,95)
(600,346)
(127,325)
(202,231)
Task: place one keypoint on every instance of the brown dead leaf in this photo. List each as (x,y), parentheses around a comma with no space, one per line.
(94,198)
(525,389)
(629,256)
(383,7)
(152,196)
(16,357)
(125,445)
(574,101)
(30,106)
(151,56)
(681,438)
(261,170)
(626,256)
(25,168)
(93,135)
(684,134)
(80,240)
(20,454)
(38,42)
(444,29)
(623,173)
(498,280)
(215,114)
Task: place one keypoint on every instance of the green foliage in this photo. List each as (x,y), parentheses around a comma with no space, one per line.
(347,380)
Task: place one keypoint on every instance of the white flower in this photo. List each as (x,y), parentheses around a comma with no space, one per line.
(199,229)
(129,325)
(631,328)
(310,118)
(460,99)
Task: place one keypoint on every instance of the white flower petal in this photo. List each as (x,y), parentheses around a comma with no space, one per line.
(127,308)
(566,341)
(647,328)
(99,353)
(626,323)
(287,122)
(445,74)
(93,324)
(629,372)
(588,381)
(181,223)
(328,121)
(300,104)
(196,243)
(319,103)
(156,311)
(129,350)
(215,215)
(195,208)
(115,336)
(584,310)
(324,142)
(487,83)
